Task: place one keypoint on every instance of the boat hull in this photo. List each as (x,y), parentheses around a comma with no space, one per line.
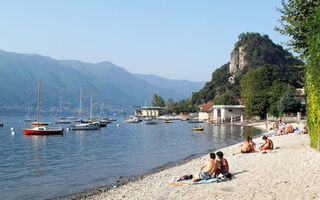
(63,122)
(84,128)
(43,132)
(40,124)
(198,129)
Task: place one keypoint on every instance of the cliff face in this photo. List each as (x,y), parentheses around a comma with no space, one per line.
(237,61)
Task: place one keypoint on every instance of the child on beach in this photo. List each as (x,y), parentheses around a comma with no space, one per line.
(268,145)
(207,169)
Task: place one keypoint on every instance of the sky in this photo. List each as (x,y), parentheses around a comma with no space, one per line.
(178,39)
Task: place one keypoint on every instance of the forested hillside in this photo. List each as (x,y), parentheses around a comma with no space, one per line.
(232,83)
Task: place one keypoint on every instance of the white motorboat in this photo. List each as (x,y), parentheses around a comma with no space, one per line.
(87,126)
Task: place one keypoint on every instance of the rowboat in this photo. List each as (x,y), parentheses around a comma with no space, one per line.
(198,129)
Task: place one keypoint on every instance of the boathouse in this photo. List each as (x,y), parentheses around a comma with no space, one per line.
(227,113)
(204,112)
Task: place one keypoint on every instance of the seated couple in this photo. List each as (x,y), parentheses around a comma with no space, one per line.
(248,146)
(213,167)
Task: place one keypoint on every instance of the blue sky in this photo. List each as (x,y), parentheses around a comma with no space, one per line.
(179,39)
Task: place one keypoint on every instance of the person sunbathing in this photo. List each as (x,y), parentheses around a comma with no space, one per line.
(245,147)
(268,145)
(223,166)
(207,169)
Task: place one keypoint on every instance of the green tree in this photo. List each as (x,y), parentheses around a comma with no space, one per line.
(289,101)
(295,22)
(225,99)
(158,101)
(276,92)
(301,21)
(255,86)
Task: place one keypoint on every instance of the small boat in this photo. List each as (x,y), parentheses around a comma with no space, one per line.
(167,121)
(103,123)
(198,129)
(133,120)
(149,121)
(28,119)
(112,119)
(1,124)
(62,119)
(42,130)
(87,126)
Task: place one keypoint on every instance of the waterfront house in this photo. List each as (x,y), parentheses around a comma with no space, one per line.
(204,112)
(227,113)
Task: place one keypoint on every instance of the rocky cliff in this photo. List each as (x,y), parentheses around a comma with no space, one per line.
(237,61)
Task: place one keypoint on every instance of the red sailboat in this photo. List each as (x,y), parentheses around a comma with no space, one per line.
(40,129)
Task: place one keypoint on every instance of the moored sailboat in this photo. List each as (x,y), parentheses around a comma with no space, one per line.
(61,120)
(39,129)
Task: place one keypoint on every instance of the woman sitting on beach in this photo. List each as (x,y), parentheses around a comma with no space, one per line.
(268,145)
(223,166)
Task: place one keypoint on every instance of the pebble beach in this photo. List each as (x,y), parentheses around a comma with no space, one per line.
(291,171)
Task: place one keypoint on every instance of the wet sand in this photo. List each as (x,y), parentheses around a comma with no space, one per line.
(289,172)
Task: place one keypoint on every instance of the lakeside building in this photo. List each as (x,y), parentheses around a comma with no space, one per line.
(204,113)
(227,113)
(151,111)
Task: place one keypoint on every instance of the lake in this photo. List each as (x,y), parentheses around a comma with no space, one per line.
(40,167)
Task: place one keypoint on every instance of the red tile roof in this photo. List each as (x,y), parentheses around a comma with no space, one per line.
(205,107)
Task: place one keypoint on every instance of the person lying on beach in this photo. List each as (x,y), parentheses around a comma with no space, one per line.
(223,166)
(207,169)
(268,145)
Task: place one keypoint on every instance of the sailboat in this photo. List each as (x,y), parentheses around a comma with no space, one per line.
(39,129)
(28,119)
(62,121)
(90,125)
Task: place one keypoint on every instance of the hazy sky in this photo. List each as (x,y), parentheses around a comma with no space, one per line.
(180,39)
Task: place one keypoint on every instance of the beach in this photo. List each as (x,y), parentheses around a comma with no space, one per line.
(291,171)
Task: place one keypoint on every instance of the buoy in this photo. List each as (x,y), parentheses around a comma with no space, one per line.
(12,131)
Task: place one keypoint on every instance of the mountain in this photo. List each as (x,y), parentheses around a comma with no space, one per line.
(252,51)
(112,84)
(183,87)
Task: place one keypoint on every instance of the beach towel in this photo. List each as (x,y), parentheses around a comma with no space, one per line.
(189,182)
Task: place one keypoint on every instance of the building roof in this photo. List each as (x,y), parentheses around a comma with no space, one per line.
(205,107)
(228,106)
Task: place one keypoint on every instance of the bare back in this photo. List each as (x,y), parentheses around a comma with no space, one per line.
(245,146)
(211,166)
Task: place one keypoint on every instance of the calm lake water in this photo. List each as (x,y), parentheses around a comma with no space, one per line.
(40,167)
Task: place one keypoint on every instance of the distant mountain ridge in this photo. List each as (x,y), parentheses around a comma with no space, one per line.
(183,87)
(112,85)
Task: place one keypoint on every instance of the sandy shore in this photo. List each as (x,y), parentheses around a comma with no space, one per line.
(292,171)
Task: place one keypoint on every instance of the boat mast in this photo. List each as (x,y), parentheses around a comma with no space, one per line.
(28,110)
(38,103)
(91,108)
(80,110)
(60,106)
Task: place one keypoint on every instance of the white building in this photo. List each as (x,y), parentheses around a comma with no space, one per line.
(227,113)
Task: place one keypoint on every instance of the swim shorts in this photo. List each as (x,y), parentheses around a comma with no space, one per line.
(204,175)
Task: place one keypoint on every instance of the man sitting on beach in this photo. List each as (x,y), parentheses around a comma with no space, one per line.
(268,145)
(223,166)
(245,147)
(210,167)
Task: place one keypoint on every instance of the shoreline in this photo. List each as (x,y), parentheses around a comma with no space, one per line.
(280,174)
(91,192)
